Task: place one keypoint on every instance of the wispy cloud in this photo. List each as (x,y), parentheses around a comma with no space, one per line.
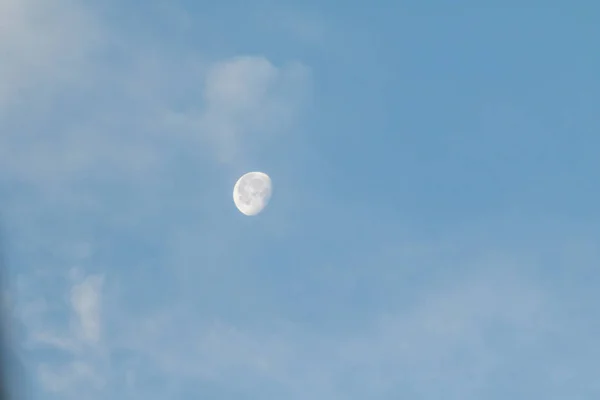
(42,46)
(86,302)
(76,126)
(79,370)
(71,111)
(93,130)
(452,339)
(248,98)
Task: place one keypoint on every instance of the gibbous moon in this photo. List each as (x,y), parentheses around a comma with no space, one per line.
(252,193)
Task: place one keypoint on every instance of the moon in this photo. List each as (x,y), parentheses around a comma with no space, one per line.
(252,193)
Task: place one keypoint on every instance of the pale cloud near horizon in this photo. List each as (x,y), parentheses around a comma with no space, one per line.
(454,325)
(480,325)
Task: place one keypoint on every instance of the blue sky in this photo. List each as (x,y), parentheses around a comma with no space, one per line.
(433,231)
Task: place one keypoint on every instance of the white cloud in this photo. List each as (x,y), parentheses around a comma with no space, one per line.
(130,111)
(42,44)
(86,303)
(85,317)
(86,124)
(73,124)
(246,100)
(81,370)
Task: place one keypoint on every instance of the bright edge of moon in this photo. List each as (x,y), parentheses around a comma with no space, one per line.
(252,193)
